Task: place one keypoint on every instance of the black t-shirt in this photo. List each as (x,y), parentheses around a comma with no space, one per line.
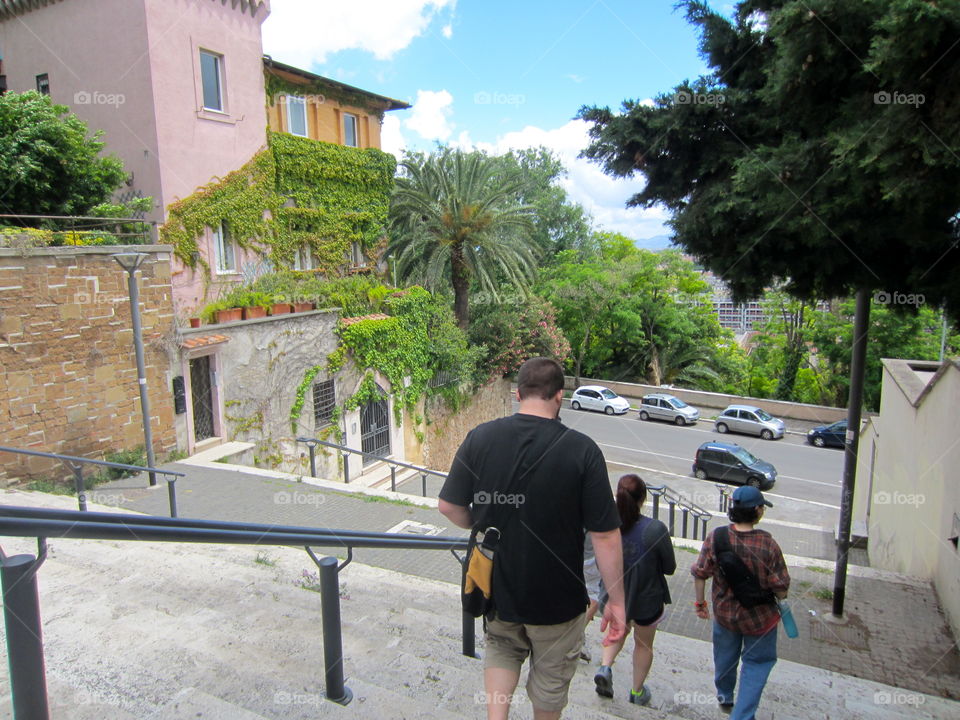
(541,484)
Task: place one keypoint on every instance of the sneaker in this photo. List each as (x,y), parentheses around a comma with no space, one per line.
(640,698)
(585,655)
(604,681)
(726,706)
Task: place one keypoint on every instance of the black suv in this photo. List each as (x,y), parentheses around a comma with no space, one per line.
(733,464)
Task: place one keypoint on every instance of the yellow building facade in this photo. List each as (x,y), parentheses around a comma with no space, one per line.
(308,105)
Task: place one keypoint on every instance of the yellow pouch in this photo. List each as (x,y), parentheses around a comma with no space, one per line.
(479,571)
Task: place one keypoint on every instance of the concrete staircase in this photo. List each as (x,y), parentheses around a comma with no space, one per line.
(170,631)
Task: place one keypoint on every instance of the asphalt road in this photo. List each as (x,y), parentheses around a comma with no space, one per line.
(808,478)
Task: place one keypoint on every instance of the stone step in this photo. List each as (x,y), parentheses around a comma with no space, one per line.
(130,626)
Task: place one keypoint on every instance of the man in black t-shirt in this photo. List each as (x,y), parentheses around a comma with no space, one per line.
(540,484)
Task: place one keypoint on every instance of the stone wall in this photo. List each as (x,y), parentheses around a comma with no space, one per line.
(261,366)
(445,428)
(68,376)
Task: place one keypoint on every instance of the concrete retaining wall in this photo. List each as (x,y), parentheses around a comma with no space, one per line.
(718,401)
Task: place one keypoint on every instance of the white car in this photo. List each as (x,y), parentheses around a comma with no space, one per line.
(599,398)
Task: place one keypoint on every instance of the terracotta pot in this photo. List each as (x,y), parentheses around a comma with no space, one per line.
(228,316)
(303,306)
(249,313)
(281,309)
(194,322)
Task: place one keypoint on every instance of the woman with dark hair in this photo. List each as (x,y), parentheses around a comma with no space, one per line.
(647,558)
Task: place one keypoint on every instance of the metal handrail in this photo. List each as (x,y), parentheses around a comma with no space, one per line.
(674,499)
(311,444)
(74,463)
(22,610)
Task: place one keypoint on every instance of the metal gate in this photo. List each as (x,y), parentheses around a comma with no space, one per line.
(375,427)
(202,391)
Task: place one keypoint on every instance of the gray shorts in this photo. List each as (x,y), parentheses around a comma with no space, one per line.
(553,650)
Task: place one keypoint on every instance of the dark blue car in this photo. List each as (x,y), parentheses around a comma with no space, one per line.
(829,435)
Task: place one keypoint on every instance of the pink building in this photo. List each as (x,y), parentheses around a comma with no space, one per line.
(176,85)
(178,88)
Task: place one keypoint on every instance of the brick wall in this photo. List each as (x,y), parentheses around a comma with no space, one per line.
(68,378)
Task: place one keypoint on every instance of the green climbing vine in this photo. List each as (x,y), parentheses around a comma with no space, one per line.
(296,193)
(417,338)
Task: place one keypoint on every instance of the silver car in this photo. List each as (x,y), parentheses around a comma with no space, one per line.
(749,420)
(660,406)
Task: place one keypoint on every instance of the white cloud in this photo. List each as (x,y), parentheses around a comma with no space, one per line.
(305,32)
(430,116)
(448,31)
(603,196)
(391,137)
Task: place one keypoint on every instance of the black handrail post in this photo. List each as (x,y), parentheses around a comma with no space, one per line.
(673,508)
(21,610)
(346,468)
(423,476)
(332,639)
(686,513)
(469,636)
(172,494)
(393,478)
(656,507)
(703,533)
(313,460)
(81,490)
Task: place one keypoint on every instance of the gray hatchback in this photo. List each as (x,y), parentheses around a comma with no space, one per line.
(731,463)
(749,420)
(661,406)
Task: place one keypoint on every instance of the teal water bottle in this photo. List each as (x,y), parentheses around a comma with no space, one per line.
(789,624)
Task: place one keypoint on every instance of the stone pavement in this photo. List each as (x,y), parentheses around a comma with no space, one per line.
(895,631)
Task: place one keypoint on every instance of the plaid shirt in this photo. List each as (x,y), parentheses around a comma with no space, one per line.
(762,555)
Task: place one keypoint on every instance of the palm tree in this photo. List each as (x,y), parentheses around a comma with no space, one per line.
(455,218)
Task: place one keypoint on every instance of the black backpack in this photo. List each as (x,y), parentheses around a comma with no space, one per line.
(744,584)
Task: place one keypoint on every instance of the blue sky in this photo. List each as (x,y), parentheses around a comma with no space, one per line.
(498,75)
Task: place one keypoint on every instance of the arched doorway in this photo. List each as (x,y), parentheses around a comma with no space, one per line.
(375,427)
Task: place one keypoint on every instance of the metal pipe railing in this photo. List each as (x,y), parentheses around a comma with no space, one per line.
(689,510)
(29,685)
(75,464)
(345,451)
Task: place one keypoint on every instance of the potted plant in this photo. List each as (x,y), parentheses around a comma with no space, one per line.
(195,322)
(221,311)
(303,306)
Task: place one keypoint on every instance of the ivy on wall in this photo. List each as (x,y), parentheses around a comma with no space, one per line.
(418,338)
(297,192)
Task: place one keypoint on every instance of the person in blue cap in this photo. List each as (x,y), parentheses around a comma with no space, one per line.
(744,636)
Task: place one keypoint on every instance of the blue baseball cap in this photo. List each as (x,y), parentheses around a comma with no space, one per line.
(748,496)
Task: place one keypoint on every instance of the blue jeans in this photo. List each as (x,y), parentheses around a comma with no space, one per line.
(758,654)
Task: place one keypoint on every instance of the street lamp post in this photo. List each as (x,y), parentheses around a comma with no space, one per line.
(130,262)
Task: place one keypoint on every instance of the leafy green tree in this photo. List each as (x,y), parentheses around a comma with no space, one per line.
(893,334)
(558,223)
(48,163)
(455,220)
(819,153)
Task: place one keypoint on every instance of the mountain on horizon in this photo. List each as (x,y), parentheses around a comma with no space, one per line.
(657,242)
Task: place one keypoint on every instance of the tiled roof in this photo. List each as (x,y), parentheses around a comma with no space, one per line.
(192,343)
(353,320)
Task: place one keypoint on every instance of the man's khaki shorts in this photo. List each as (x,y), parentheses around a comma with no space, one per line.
(553,650)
